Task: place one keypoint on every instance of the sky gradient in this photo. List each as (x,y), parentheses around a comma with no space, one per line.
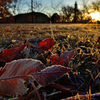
(50,6)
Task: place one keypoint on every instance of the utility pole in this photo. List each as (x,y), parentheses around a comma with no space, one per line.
(32,9)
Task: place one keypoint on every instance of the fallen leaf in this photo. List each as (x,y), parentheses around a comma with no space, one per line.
(46,44)
(50,74)
(64,58)
(13,86)
(13,74)
(16,72)
(8,30)
(10,54)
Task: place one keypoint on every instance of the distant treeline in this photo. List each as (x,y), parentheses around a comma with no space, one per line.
(37,18)
(67,14)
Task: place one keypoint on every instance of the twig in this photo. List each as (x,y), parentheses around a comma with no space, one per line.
(44,96)
(53,93)
(28,51)
(82,96)
(97,76)
(35,90)
(89,92)
(52,30)
(81,62)
(90,74)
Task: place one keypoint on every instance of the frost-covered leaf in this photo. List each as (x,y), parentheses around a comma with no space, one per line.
(16,71)
(22,67)
(13,74)
(12,86)
(10,54)
(64,58)
(50,74)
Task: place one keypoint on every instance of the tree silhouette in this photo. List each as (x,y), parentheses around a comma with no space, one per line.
(89,8)
(68,11)
(95,6)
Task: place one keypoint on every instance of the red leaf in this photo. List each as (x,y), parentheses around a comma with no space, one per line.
(8,30)
(55,59)
(10,54)
(2,71)
(22,69)
(64,58)
(12,86)
(14,73)
(46,44)
(50,74)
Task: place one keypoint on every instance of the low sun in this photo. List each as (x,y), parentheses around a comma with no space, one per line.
(95,16)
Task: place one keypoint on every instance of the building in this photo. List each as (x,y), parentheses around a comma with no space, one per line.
(27,18)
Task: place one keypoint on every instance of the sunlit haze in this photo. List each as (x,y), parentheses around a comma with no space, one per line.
(95,16)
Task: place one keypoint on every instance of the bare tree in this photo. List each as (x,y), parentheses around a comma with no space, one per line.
(85,11)
(85,7)
(17,6)
(26,6)
(68,12)
(56,6)
(95,6)
(89,8)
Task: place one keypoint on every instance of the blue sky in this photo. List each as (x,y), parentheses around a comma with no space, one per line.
(49,3)
(50,6)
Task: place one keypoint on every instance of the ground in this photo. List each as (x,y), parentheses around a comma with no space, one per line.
(83,39)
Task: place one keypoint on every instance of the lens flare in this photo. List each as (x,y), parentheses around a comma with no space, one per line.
(95,16)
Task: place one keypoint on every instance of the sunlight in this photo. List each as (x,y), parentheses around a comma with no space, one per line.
(95,16)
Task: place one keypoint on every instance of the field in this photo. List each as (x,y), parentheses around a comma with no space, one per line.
(50,61)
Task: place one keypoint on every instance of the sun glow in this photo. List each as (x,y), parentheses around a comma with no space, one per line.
(95,16)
